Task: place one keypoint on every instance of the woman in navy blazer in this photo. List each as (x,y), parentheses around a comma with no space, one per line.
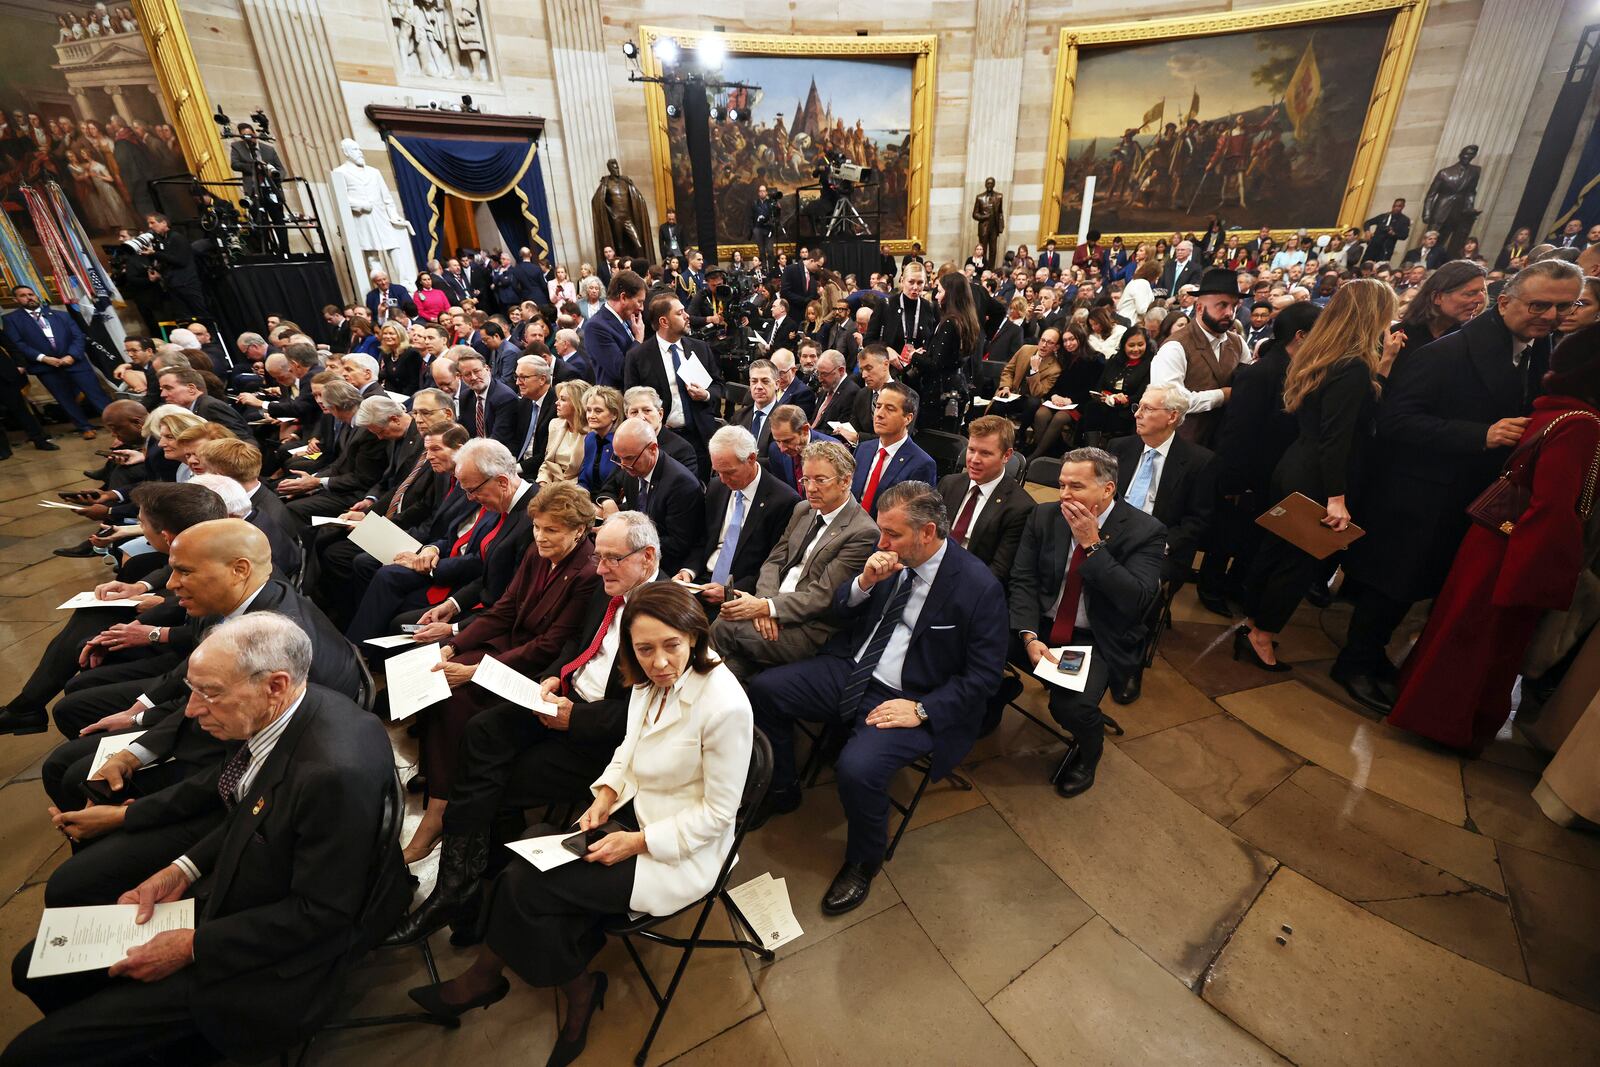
(602,407)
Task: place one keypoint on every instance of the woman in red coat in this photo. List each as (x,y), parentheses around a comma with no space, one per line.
(1455,686)
(541,608)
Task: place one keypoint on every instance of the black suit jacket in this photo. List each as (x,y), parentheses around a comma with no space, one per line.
(597,724)
(1004,344)
(1257,431)
(897,323)
(1172,278)
(798,288)
(1120,581)
(1186,494)
(676,502)
(764,524)
(499,563)
(302,407)
(1381,247)
(995,535)
(541,430)
(800,395)
(360,464)
(530,283)
(780,334)
(643,366)
(273,519)
(500,412)
(221,412)
(295,884)
(840,407)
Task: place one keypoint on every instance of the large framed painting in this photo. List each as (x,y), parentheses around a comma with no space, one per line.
(868,97)
(1272,116)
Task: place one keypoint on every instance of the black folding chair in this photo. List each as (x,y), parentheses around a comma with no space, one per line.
(367,692)
(394,806)
(949,450)
(647,926)
(1044,470)
(1014,467)
(734,396)
(1159,621)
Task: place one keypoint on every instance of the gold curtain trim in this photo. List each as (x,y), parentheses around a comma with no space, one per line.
(438,185)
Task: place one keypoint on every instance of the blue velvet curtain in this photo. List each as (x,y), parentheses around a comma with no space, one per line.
(506,174)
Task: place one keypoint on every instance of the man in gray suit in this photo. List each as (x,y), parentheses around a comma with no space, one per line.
(261,173)
(827,541)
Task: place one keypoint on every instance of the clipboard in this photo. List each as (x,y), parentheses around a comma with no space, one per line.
(1298,520)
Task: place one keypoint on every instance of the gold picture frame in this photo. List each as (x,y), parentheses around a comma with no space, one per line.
(1393,69)
(161,24)
(923,47)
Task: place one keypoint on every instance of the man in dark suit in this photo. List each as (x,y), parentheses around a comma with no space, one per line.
(536,409)
(659,486)
(498,351)
(792,434)
(1386,231)
(286,893)
(669,237)
(453,575)
(296,400)
(746,510)
(873,363)
(781,329)
(987,509)
(893,457)
(1430,253)
(489,408)
(529,279)
(756,413)
(922,646)
(383,296)
(835,390)
(392,445)
(798,285)
(609,334)
(185,388)
(358,464)
(174,259)
(1452,411)
(688,410)
(1050,259)
(792,389)
(1005,340)
(454,283)
(49,344)
(1086,573)
(511,759)
(1182,269)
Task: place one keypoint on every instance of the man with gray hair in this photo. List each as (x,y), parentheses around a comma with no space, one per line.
(536,408)
(301,362)
(1452,412)
(1085,576)
(487,407)
(746,510)
(361,371)
(792,389)
(923,646)
(647,481)
(569,363)
(643,402)
(291,888)
(383,447)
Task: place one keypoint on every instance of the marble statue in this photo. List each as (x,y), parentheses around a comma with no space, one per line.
(1450,204)
(621,218)
(376,235)
(989,212)
(442,39)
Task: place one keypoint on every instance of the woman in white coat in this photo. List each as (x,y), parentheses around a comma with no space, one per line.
(678,776)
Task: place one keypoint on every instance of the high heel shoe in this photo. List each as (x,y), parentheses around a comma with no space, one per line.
(429,1000)
(567,1051)
(1244,650)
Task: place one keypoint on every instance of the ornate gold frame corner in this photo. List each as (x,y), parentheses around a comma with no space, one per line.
(1387,89)
(924,47)
(178,73)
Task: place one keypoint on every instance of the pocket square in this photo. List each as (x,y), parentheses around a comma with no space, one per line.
(952,626)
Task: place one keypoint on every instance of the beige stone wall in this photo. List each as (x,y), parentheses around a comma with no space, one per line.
(526,84)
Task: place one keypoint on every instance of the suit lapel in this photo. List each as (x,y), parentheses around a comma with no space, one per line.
(944,584)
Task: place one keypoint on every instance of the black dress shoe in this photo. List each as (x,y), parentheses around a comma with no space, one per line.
(23,721)
(778,802)
(44,444)
(1319,595)
(1077,778)
(1245,651)
(1127,690)
(849,888)
(567,1051)
(1365,690)
(428,998)
(81,550)
(1215,603)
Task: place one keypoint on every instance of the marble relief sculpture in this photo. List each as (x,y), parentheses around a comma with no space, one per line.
(442,39)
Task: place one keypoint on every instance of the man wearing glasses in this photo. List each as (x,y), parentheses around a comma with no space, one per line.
(1451,414)
(648,481)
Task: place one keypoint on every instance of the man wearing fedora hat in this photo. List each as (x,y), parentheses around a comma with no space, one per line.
(1198,360)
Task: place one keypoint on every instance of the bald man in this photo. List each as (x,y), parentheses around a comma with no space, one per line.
(648,480)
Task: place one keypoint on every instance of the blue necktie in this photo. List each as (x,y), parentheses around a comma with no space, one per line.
(730,542)
(861,674)
(755,424)
(533,428)
(1139,489)
(677,383)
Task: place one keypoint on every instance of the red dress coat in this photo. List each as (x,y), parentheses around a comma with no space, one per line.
(522,631)
(1456,685)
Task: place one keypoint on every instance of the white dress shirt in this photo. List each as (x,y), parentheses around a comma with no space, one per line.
(1171,366)
(791,577)
(985,494)
(1148,506)
(891,664)
(674,419)
(589,681)
(1082,621)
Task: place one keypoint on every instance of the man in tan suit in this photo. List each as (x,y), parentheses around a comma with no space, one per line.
(827,541)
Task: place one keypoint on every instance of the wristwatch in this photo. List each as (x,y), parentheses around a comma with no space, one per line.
(1090,550)
(155,636)
(922,713)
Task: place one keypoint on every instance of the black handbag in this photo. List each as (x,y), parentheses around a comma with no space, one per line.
(1509,496)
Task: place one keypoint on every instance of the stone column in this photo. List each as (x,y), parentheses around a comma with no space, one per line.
(994,101)
(588,131)
(119,102)
(1498,78)
(80,100)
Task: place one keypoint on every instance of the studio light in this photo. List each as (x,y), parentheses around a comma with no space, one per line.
(630,50)
(711,51)
(716,113)
(734,114)
(666,50)
(672,111)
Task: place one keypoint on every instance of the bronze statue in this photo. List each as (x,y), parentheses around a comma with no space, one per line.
(621,219)
(989,211)
(1448,206)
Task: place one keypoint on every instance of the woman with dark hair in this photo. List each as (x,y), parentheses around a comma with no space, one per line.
(935,372)
(1455,687)
(1105,332)
(361,337)
(431,302)
(1080,370)
(1586,310)
(1453,294)
(1121,385)
(678,776)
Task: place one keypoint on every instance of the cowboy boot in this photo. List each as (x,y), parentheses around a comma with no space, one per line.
(462,859)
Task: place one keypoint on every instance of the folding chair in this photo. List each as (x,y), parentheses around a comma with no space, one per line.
(734,396)
(949,450)
(1044,470)
(1159,620)
(922,766)
(1014,467)
(367,691)
(646,926)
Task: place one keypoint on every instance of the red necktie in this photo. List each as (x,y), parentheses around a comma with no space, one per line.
(1071,590)
(481,432)
(594,646)
(872,481)
(964,520)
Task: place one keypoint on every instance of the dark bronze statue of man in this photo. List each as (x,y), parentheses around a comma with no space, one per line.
(989,211)
(621,219)
(1449,206)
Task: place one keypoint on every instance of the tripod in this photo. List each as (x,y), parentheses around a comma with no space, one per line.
(845,216)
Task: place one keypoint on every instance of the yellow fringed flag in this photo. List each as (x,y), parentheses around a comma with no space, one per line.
(1304,92)
(1154,114)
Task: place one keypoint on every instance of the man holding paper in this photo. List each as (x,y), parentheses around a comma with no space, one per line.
(1086,573)
(683,373)
(289,890)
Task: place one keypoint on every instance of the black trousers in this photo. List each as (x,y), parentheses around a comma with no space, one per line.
(19,415)
(89,699)
(509,759)
(1278,581)
(100,871)
(67,767)
(94,1019)
(546,925)
(1077,713)
(59,663)
(1233,538)
(1377,615)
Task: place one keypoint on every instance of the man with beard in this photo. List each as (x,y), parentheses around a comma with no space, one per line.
(1199,360)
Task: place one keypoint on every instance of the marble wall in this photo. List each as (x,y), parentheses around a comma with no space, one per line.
(561,59)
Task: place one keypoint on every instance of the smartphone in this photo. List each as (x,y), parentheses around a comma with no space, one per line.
(1071,663)
(100,792)
(102,453)
(578,844)
(409,628)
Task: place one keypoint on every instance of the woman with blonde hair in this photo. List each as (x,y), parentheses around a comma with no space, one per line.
(563,449)
(602,412)
(1332,390)
(162,427)
(399,364)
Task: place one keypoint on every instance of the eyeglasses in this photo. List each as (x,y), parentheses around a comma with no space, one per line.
(212,695)
(479,486)
(613,561)
(821,481)
(1541,307)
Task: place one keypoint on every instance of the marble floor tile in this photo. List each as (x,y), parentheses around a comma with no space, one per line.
(753,1043)
(1017,735)
(1514,753)
(1471,923)
(1501,804)
(1108,1003)
(1186,607)
(1166,699)
(26,833)
(25,654)
(19,921)
(1322,981)
(887,996)
(44,606)
(1106,844)
(939,801)
(1371,755)
(987,903)
(20,755)
(1557,905)
(1299,643)
(1218,764)
(54,571)
(1203,654)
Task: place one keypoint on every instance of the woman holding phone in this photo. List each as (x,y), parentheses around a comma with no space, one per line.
(678,776)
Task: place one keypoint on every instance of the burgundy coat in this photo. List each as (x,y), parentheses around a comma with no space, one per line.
(524,632)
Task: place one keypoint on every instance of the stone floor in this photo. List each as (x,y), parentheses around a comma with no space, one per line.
(1262,873)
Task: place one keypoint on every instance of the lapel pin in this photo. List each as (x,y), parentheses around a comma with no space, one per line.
(261,802)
